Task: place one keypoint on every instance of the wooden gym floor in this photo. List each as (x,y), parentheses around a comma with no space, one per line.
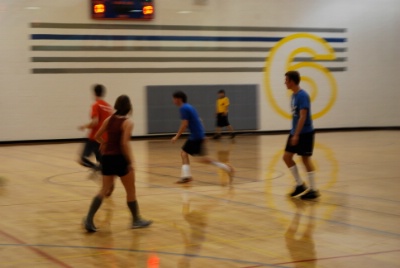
(44,195)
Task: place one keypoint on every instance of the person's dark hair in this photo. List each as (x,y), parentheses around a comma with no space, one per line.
(293,76)
(180,95)
(122,105)
(221,91)
(99,90)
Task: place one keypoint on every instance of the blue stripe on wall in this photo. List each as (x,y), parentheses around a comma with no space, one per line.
(165,38)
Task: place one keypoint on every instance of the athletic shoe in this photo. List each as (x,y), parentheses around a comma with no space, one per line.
(311,194)
(184,180)
(217,136)
(140,223)
(298,190)
(90,228)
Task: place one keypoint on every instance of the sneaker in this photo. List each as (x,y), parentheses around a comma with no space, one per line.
(217,136)
(140,223)
(298,190)
(89,226)
(311,194)
(184,180)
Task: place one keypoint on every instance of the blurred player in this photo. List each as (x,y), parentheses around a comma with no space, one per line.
(222,115)
(195,144)
(117,161)
(100,111)
(301,138)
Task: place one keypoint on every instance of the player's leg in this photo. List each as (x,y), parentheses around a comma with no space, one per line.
(306,151)
(108,182)
(128,181)
(229,127)
(201,151)
(219,126)
(290,150)
(97,153)
(186,174)
(88,150)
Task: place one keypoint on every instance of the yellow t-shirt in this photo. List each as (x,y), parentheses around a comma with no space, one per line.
(222,105)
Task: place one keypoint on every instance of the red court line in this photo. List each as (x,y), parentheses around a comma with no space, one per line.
(37,251)
(329,258)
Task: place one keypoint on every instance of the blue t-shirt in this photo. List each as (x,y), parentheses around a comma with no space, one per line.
(301,101)
(195,126)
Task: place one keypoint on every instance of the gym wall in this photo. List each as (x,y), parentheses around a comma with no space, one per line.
(52,52)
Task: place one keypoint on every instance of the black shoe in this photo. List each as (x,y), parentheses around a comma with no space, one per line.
(233,134)
(140,223)
(90,228)
(217,136)
(184,180)
(311,194)
(298,190)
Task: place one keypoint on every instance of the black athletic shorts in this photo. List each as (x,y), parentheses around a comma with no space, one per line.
(195,147)
(304,147)
(222,120)
(114,165)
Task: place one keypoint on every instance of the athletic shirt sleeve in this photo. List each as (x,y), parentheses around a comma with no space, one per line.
(185,113)
(303,102)
(95,111)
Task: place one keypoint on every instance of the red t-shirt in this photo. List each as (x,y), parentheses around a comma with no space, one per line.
(102,110)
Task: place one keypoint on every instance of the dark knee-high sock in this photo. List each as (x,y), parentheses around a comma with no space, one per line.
(134,208)
(96,203)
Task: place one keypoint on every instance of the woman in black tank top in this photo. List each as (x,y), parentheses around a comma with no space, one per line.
(117,161)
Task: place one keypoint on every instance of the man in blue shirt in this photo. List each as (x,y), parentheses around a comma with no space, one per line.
(195,144)
(301,138)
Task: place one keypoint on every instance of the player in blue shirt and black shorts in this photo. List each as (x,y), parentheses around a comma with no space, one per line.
(301,138)
(195,144)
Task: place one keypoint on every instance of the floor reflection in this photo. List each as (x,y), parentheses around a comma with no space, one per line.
(223,151)
(299,237)
(197,219)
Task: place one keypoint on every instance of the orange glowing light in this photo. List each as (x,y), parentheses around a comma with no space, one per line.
(99,8)
(148,10)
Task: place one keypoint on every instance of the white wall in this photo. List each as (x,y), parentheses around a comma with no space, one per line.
(37,106)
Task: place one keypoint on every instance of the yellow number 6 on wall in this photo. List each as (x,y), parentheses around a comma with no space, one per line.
(314,47)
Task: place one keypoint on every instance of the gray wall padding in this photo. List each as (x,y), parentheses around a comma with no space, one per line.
(163,116)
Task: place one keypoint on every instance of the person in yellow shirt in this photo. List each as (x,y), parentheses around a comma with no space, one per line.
(222,115)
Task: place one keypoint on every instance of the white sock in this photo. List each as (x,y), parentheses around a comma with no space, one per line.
(221,165)
(186,171)
(311,179)
(296,175)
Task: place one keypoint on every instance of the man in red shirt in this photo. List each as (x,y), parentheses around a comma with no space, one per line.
(101,110)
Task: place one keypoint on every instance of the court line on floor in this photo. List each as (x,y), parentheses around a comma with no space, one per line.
(261,207)
(332,258)
(34,249)
(258,264)
(291,213)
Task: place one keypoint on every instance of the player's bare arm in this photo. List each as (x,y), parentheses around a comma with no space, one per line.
(182,128)
(127,128)
(91,124)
